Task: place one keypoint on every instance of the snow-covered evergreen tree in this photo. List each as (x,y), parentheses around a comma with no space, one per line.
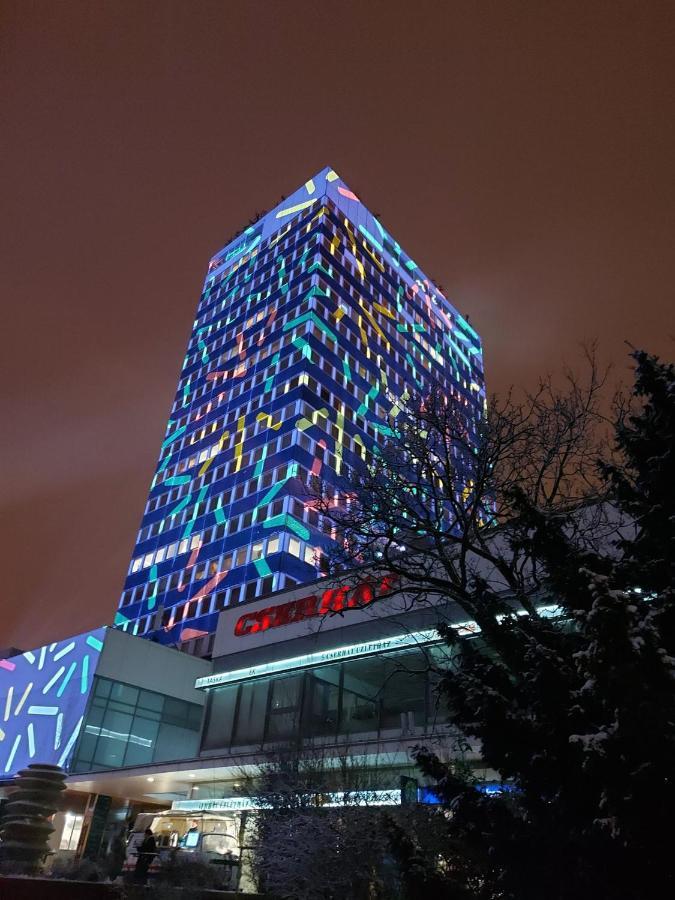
(575,711)
(578,713)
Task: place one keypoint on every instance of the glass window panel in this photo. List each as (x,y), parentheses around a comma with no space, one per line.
(95,715)
(121,707)
(294,547)
(175,711)
(151,700)
(194,718)
(112,740)
(174,742)
(85,750)
(222,704)
(403,690)
(251,717)
(286,693)
(321,701)
(142,741)
(359,697)
(285,707)
(103,686)
(124,693)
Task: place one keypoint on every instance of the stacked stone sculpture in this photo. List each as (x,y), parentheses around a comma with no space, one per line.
(24,823)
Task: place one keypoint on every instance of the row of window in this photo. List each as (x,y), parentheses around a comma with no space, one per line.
(253,319)
(210,604)
(388,281)
(287,238)
(234,337)
(239,557)
(127,726)
(374,695)
(290,412)
(386,323)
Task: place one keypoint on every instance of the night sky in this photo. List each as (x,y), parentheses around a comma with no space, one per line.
(522,153)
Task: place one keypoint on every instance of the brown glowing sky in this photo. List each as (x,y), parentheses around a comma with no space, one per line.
(522,152)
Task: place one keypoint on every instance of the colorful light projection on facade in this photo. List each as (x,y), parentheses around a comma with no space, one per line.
(312,330)
(43,696)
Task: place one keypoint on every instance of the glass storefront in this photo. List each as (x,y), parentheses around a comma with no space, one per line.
(129,726)
(370,696)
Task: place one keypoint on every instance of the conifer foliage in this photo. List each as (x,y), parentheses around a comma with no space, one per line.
(576,710)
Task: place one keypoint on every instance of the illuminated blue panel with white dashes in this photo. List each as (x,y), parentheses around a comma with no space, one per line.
(43,696)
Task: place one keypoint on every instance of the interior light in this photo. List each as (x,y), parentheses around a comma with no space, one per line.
(150,778)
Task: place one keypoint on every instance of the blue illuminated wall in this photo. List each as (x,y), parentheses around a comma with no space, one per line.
(43,696)
(313,327)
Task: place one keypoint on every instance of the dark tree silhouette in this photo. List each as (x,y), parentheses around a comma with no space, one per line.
(540,505)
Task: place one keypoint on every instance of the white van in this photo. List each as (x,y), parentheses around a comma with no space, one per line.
(212,837)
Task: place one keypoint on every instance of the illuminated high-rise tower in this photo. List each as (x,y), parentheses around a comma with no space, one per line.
(312,322)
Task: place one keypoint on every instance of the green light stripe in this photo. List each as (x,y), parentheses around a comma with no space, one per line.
(312,317)
(284,520)
(261,462)
(174,436)
(262,568)
(181,505)
(373,240)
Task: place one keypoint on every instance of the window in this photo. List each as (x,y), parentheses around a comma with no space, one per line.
(284,717)
(127,726)
(240,557)
(294,547)
(249,728)
(72,829)
(310,556)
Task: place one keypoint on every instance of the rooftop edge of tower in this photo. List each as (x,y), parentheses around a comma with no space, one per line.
(328,184)
(312,190)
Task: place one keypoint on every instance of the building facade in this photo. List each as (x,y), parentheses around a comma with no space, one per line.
(312,330)
(358,684)
(313,326)
(151,734)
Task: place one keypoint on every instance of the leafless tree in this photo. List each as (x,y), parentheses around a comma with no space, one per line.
(322,834)
(444,502)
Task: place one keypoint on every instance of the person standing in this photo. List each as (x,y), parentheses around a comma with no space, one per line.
(146,853)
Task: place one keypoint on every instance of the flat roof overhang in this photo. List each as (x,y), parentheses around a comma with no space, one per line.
(165,782)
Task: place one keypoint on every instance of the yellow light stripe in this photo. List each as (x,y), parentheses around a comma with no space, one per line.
(240,443)
(266,417)
(207,462)
(293,209)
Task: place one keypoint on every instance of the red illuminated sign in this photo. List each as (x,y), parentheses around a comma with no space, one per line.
(332,600)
